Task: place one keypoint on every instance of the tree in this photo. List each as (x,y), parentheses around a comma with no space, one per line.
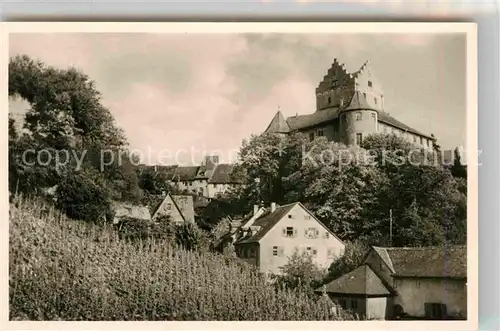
(354,255)
(84,195)
(458,169)
(66,116)
(300,273)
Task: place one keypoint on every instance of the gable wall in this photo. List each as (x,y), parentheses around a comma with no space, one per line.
(288,245)
(173,212)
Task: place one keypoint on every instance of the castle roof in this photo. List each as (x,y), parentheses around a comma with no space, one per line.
(278,124)
(357,102)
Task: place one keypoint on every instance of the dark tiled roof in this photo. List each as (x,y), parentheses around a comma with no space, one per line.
(278,124)
(266,222)
(304,121)
(362,281)
(186,173)
(388,119)
(222,174)
(169,170)
(449,262)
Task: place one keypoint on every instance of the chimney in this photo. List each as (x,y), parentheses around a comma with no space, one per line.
(273,207)
(255,209)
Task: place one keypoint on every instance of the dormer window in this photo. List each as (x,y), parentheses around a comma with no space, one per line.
(370,83)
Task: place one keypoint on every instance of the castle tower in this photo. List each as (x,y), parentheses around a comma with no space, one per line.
(357,120)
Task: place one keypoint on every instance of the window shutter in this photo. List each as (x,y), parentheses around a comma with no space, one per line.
(294,232)
(281,251)
(284,232)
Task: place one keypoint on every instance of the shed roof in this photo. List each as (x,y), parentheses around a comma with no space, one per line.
(360,281)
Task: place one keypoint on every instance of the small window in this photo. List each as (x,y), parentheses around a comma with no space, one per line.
(320,133)
(290,216)
(375,100)
(414,139)
(359,139)
(329,100)
(417,283)
(421,141)
(327,235)
(358,116)
(364,95)
(370,83)
(289,231)
(275,250)
(314,251)
(169,206)
(311,136)
(307,217)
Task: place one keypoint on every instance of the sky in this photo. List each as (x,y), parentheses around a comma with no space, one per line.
(180,96)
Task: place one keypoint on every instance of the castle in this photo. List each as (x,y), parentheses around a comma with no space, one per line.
(349,107)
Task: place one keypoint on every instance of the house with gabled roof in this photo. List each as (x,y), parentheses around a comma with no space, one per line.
(180,208)
(394,282)
(349,107)
(271,235)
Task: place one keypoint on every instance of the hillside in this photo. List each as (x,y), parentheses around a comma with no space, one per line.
(61,269)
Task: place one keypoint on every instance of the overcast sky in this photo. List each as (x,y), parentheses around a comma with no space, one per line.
(208,92)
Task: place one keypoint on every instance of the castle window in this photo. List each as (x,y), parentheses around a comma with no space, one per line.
(370,83)
(311,136)
(358,116)
(329,100)
(359,138)
(320,133)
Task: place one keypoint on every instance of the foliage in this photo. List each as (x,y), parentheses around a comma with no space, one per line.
(354,190)
(66,119)
(154,182)
(300,272)
(137,230)
(458,169)
(354,255)
(190,237)
(83,195)
(70,270)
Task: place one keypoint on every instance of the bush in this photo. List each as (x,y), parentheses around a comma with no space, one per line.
(70,270)
(84,195)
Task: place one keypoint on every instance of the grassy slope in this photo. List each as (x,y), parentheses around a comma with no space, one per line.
(67,270)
